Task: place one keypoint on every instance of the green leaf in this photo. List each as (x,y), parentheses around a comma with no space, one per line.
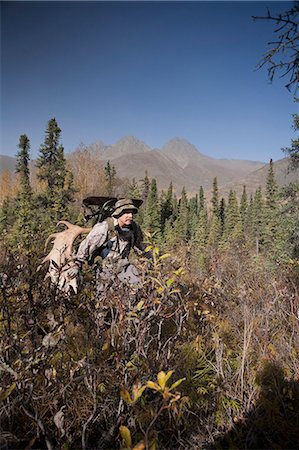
(169,282)
(7,392)
(140,305)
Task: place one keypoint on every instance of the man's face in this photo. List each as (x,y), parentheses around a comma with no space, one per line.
(125,219)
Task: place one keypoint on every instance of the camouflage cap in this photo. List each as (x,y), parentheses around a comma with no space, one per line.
(123,205)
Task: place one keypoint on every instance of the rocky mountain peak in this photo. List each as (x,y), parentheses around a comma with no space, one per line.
(130,145)
(181,151)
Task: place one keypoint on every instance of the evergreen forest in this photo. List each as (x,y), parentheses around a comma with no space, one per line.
(203,356)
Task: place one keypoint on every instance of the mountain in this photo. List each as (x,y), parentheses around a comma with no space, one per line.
(182,152)
(7,163)
(258,178)
(179,162)
(128,145)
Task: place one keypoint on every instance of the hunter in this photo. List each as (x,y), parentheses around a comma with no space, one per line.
(112,240)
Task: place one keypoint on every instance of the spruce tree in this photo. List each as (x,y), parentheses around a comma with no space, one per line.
(201,200)
(110,178)
(289,222)
(52,170)
(293,151)
(22,164)
(145,187)
(133,189)
(271,210)
(51,163)
(214,232)
(215,226)
(222,212)
(271,188)
(215,198)
(24,227)
(175,207)
(166,206)
(243,205)
(248,224)
(8,211)
(201,233)
(181,224)
(151,221)
(233,230)
(258,220)
(192,215)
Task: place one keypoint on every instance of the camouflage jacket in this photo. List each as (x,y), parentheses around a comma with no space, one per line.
(111,246)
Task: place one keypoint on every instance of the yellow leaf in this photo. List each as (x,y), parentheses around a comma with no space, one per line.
(139,446)
(137,392)
(168,375)
(125,396)
(148,248)
(105,347)
(126,435)
(152,385)
(179,271)
(129,364)
(163,377)
(177,383)
(101,388)
(166,255)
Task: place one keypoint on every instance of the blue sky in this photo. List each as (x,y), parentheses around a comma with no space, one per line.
(154,70)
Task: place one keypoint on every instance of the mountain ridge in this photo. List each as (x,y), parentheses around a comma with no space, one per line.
(177,161)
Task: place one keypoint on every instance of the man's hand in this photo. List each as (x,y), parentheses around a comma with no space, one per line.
(69,277)
(72,271)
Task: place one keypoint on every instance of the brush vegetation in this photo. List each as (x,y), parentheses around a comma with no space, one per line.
(204,355)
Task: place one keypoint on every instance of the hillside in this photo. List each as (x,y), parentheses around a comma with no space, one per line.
(179,162)
(258,178)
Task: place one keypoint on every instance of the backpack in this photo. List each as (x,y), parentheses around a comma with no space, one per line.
(98,208)
(101,209)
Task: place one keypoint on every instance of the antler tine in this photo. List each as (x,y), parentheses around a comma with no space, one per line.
(75,228)
(61,251)
(65,222)
(53,235)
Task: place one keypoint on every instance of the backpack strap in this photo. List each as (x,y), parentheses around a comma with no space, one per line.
(112,232)
(111,228)
(134,234)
